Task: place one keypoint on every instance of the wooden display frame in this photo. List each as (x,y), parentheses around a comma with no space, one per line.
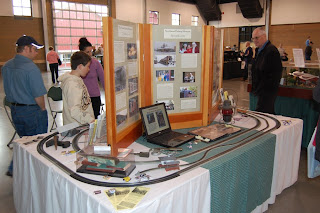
(129,134)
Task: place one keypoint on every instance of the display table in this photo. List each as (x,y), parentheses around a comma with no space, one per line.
(295,103)
(40,186)
(232,69)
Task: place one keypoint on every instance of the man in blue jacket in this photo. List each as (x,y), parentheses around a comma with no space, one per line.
(266,72)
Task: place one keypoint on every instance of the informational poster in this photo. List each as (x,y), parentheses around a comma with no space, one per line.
(189,61)
(189,104)
(218,64)
(164,91)
(118,51)
(125,31)
(121,100)
(298,57)
(177,33)
(132,69)
(177,67)
(126,72)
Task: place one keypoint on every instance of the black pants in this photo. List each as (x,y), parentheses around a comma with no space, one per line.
(54,69)
(96,103)
(266,103)
(247,68)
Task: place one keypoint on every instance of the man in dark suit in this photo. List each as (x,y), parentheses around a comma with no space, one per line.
(266,72)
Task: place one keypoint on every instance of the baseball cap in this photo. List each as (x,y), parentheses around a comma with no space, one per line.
(28,40)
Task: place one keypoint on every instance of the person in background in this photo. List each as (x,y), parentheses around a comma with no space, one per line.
(308,51)
(91,80)
(25,90)
(266,72)
(282,52)
(248,59)
(76,100)
(308,41)
(52,58)
(234,48)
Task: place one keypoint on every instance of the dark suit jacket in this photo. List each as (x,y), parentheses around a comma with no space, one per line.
(266,71)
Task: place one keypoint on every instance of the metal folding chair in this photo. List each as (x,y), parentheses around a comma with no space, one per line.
(54,97)
(6,106)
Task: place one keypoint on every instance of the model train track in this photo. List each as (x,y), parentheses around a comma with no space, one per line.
(191,166)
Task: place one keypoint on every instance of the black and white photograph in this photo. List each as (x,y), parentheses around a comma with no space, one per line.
(165,75)
(164,60)
(120,77)
(188,77)
(133,85)
(168,103)
(133,106)
(121,117)
(150,117)
(162,48)
(188,92)
(160,118)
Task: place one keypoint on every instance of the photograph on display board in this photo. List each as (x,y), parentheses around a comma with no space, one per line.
(164,48)
(120,76)
(164,60)
(188,92)
(133,106)
(189,77)
(160,118)
(165,75)
(133,85)
(132,51)
(189,47)
(168,103)
(121,117)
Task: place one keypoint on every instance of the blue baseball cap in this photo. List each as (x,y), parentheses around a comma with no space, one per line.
(28,40)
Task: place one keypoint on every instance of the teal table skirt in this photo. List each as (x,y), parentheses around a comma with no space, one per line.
(295,108)
(240,180)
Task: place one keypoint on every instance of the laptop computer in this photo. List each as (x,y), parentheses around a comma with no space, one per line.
(157,127)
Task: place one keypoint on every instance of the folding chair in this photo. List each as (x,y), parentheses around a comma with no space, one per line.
(54,97)
(101,108)
(6,106)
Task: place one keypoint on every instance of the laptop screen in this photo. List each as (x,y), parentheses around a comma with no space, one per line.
(155,118)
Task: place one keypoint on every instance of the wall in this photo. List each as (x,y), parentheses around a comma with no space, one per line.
(231,36)
(12,28)
(130,10)
(295,36)
(230,17)
(295,11)
(166,8)
(6,8)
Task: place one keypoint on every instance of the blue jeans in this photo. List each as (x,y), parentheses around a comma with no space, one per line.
(29,120)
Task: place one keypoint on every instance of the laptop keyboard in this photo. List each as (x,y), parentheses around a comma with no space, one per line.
(167,137)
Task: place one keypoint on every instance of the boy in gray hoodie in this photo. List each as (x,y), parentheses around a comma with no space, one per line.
(76,99)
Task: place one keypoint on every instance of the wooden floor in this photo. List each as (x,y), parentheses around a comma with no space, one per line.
(303,196)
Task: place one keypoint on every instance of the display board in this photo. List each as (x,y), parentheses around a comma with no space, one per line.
(122,77)
(177,54)
(126,72)
(173,64)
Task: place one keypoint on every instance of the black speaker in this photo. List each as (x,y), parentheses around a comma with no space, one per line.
(250,8)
